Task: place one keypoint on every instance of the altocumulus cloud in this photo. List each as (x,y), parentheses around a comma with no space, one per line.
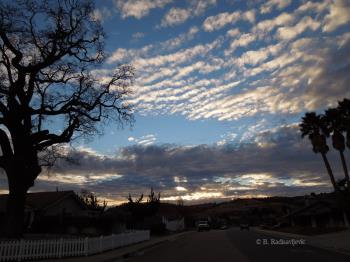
(138,8)
(294,59)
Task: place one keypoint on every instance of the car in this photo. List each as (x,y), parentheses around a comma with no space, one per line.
(223,227)
(203,226)
(243,226)
(279,225)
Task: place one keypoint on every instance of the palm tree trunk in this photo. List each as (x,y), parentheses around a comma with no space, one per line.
(329,170)
(344,165)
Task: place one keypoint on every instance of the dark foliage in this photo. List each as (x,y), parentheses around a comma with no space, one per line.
(92,202)
(140,210)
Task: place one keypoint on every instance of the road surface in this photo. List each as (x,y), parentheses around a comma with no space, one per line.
(234,245)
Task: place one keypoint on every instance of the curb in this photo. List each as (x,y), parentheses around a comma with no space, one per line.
(132,253)
(308,241)
(129,254)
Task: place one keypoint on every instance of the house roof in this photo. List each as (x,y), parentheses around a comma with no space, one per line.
(41,200)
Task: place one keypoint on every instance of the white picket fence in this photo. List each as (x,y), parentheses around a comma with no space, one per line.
(17,250)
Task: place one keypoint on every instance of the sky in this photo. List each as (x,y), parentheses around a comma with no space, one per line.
(219,91)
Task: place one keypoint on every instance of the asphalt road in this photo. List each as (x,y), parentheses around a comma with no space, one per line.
(234,245)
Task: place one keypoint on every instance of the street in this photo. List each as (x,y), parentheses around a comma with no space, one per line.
(234,245)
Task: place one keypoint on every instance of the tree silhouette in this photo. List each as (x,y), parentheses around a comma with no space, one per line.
(91,201)
(139,210)
(332,125)
(48,92)
(344,109)
(311,126)
(153,202)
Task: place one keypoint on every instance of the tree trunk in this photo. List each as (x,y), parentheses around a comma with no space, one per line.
(329,170)
(20,177)
(20,162)
(344,166)
(15,210)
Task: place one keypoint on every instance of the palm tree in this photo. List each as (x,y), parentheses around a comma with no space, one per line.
(331,123)
(344,109)
(311,127)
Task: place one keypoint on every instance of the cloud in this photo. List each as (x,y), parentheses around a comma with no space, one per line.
(283,164)
(178,57)
(243,40)
(122,54)
(287,33)
(180,188)
(217,22)
(268,6)
(232,107)
(101,14)
(249,16)
(180,39)
(328,83)
(317,7)
(233,32)
(200,6)
(342,40)
(126,55)
(268,25)
(339,15)
(145,140)
(138,8)
(313,73)
(254,57)
(176,16)
(227,138)
(138,35)
(283,66)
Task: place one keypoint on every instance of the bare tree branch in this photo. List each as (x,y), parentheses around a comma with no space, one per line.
(47,52)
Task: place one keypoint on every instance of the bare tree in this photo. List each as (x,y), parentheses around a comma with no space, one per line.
(91,201)
(139,209)
(49,93)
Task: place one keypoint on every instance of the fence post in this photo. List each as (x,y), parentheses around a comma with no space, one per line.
(86,246)
(19,255)
(60,247)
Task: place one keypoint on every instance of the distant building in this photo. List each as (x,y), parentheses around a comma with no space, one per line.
(318,213)
(173,225)
(57,206)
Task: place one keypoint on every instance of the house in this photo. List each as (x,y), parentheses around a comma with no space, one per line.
(45,209)
(174,225)
(318,213)
(172,216)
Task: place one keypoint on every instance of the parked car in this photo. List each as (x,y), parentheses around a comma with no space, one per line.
(223,227)
(203,226)
(243,226)
(279,225)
